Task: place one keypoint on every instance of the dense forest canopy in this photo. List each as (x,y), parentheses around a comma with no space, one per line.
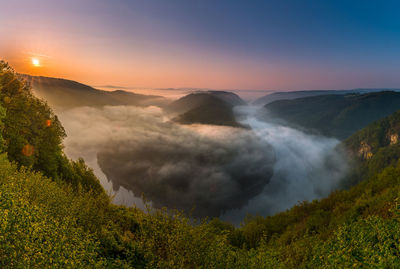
(54,212)
(335,115)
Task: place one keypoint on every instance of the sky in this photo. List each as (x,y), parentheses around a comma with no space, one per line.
(219,44)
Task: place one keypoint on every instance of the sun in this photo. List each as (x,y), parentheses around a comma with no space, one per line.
(35,62)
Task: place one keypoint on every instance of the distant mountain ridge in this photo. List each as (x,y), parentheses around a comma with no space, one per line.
(301,94)
(203,107)
(335,115)
(64,94)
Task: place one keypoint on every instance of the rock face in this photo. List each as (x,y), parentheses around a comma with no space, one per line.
(365,151)
(394,139)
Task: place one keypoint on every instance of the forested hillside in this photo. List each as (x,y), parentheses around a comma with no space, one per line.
(213,107)
(376,146)
(335,115)
(54,213)
(64,94)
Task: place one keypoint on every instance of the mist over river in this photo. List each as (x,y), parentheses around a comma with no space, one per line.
(307,166)
(220,171)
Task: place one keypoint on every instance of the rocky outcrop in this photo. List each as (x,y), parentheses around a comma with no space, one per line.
(365,150)
(394,139)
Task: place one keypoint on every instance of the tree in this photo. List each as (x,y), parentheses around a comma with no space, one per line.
(2,116)
(33,134)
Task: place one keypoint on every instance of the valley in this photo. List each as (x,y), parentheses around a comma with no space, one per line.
(199,134)
(132,165)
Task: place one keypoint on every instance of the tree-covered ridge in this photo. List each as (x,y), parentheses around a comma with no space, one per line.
(212,107)
(290,95)
(214,112)
(336,115)
(55,214)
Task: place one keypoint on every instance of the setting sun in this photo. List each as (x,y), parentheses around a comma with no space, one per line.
(35,62)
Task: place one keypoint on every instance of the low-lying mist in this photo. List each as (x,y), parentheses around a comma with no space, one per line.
(205,168)
(306,167)
(208,170)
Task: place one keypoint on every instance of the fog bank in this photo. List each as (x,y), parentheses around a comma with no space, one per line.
(209,169)
(307,166)
(215,170)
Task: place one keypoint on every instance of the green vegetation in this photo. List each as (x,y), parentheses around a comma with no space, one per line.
(54,213)
(376,146)
(336,115)
(33,134)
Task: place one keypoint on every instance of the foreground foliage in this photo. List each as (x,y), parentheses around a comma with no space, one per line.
(46,223)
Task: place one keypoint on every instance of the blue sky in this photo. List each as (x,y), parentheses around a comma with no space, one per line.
(217,44)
